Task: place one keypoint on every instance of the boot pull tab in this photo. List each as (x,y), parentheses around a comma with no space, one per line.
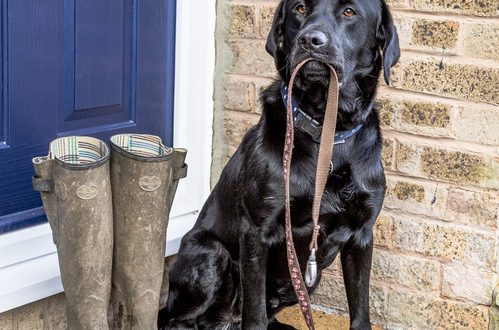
(42,184)
(180,172)
(311,273)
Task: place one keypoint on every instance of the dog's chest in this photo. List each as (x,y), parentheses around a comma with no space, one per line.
(339,193)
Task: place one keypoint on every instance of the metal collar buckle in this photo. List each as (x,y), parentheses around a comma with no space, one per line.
(307,124)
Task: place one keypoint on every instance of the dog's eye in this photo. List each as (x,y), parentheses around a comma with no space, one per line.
(301,9)
(349,12)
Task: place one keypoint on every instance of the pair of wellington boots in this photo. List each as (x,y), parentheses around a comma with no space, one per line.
(108,210)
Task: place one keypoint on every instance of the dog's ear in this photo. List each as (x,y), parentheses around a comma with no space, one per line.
(388,40)
(276,35)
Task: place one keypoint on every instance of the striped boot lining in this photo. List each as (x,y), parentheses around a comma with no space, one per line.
(141,145)
(78,150)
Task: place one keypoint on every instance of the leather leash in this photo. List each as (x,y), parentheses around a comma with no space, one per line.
(323,170)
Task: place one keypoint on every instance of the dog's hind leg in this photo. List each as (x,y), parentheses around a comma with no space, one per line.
(195,281)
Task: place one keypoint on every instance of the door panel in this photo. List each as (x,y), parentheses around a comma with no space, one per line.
(97,79)
(30,65)
(78,67)
(99,57)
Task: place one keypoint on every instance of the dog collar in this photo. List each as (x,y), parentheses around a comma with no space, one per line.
(303,122)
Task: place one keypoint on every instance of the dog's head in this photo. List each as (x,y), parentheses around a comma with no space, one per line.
(357,37)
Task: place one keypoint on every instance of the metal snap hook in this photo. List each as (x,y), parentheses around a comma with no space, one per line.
(311,273)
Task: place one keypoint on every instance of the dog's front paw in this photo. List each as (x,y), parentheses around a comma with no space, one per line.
(360,325)
(276,325)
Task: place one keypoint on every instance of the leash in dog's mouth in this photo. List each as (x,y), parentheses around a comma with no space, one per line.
(324,167)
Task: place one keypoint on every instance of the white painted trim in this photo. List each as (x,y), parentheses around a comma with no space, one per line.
(28,260)
(22,282)
(194,70)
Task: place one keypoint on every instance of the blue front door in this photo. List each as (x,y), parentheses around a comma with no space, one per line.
(78,67)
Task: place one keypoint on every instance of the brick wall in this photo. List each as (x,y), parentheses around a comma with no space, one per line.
(435,262)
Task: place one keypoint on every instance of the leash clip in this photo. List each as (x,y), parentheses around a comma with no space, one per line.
(311,273)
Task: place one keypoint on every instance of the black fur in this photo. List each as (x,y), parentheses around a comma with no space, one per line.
(231,271)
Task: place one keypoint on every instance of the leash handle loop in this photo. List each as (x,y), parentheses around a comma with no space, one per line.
(323,167)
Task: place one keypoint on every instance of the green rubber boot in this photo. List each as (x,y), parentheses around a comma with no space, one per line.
(144,176)
(75,186)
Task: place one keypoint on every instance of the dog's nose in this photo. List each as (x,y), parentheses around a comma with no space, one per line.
(312,40)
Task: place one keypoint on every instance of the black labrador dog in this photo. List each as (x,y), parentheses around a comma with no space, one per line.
(231,271)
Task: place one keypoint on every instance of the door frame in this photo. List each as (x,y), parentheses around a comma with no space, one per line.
(29,269)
